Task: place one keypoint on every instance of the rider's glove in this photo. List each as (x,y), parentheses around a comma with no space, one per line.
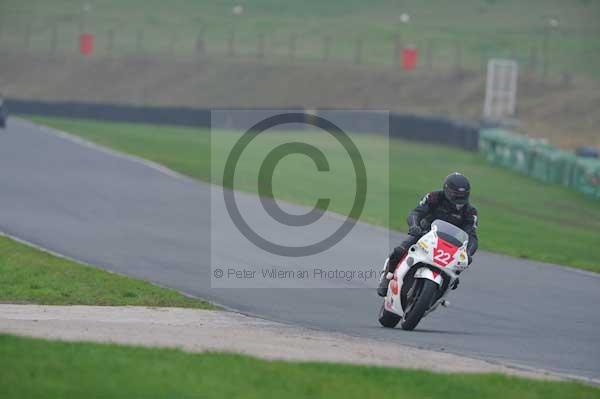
(414,231)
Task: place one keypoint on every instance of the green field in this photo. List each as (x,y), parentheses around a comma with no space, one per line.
(465,31)
(34,368)
(518,216)
(28,275)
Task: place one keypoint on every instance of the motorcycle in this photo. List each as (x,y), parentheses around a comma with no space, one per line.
(425,276)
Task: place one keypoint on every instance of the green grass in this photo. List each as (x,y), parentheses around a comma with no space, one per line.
(28,275)
(518,216)
(33,368)
(482,28)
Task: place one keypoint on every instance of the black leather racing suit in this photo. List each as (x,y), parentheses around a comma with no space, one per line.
(435,206)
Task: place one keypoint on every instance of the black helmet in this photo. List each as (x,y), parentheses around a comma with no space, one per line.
(457,189)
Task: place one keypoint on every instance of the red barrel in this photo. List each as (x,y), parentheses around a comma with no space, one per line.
(410,57)
(86,44)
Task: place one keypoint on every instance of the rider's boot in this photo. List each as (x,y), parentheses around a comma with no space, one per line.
(390,265)
(383,280)
(383,284)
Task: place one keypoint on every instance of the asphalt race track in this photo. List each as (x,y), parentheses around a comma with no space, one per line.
(127,216)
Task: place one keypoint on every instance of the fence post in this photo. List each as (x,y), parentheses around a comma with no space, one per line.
(292,50)
(260,46)
(139,41)
(1,27)
(54,39)
(545,54)
(81,21)
(533,60)
(172,43)
(110,42)
(459,57)
(200,45)
(485,55)
(358,48)
(326,48)
(397,49)
(566,79)
(231,44)
(28,36)
(428,54)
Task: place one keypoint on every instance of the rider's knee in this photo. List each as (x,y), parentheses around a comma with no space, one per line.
(396,255)
(399,250)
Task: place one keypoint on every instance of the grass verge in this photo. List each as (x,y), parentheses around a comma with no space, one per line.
(28,275)
(518,216)
(61,369)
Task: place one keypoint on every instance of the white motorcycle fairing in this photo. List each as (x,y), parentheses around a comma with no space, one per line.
(435,259)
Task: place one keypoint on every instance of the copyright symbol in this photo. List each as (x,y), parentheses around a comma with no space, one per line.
(218,273)
(265,189)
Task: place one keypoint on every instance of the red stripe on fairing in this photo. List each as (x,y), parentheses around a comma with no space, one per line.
(435,274)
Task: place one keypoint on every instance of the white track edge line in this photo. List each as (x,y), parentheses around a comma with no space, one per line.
(98,147)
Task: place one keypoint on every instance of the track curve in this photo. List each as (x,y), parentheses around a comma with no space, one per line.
(142,220)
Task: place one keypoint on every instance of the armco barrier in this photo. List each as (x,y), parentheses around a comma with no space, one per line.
(429,129)
(540,160)
(419,128)
(181,116)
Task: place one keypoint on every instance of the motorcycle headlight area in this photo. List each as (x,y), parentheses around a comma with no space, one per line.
(463,259)
(427,244)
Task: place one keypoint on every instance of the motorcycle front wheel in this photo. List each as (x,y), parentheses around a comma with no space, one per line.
(419,303)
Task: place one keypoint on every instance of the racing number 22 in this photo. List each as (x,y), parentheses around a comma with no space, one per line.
(442,257)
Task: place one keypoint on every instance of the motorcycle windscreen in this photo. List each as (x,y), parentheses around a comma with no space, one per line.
(450,233)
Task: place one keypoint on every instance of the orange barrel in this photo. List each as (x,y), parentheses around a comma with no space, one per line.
(86,43)
(410,56)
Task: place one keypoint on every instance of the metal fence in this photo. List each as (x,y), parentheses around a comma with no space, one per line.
(550,52)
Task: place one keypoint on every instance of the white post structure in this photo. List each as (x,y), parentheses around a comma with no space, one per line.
(501,89)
